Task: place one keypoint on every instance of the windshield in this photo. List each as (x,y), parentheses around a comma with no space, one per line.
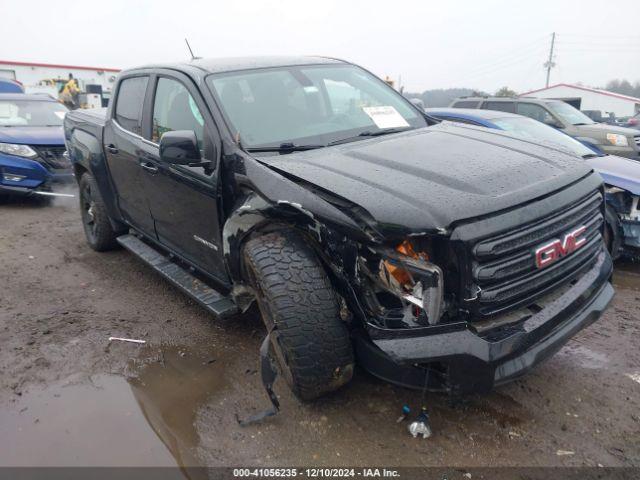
(310,105)
(533,130)
(25,113)
(569,114)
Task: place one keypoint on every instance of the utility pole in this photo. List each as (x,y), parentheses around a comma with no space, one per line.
(550,64)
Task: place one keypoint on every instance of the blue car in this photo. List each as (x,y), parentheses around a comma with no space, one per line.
(621,175)
(10,86)
(32,149)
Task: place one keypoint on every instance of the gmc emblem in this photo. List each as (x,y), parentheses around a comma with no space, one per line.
(556,249)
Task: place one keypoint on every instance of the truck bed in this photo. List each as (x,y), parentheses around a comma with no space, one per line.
(97,116)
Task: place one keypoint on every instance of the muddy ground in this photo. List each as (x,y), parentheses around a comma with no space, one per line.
(69,397)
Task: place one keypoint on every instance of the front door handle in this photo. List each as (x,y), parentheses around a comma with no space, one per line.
(149,167)
(111,148)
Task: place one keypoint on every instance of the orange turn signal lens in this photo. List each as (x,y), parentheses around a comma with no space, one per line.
(400,274)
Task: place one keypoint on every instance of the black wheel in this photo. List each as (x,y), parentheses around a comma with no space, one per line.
(295,296)
(97,226)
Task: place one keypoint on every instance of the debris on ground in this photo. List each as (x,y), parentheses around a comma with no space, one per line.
(565,452)
(405,413)
(421,425)
(130,340)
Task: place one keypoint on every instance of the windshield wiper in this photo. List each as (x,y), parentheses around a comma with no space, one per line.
(285,148)
(369,133)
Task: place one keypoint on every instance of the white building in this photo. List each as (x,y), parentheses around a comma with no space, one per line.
(47,78)
(585,98)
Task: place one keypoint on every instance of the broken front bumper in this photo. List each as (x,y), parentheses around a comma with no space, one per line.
(472,363)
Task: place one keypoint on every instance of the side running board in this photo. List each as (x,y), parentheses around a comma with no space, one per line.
(217,303)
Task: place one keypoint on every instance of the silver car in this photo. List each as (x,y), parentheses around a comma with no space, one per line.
(610,139)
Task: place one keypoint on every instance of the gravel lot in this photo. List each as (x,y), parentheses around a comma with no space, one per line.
(69,397)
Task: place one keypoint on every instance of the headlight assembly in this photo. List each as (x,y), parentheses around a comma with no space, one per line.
(410,276)
(18,150)
(617,140)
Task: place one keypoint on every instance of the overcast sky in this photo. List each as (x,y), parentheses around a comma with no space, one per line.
(483,44)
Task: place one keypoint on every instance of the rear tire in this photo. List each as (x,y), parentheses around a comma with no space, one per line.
(95,220)
(295,296)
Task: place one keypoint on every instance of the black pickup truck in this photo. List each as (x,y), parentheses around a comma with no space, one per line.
(438,256)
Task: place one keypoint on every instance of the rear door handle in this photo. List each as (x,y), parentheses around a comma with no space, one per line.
(149,167)
(111,148)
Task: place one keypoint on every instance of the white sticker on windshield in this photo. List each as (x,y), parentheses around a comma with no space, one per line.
(385,117)
(61,114)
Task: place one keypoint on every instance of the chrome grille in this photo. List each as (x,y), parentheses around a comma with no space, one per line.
(53,156)
(504,266)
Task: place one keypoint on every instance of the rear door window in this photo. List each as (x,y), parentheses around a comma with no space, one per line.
(509,107)
(131,94)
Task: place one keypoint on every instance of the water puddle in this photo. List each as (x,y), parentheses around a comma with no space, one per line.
(146,419)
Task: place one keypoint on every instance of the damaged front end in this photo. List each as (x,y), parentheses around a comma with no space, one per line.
(406,292)
(459,308)
(406,289)
(465,311)
(627,209)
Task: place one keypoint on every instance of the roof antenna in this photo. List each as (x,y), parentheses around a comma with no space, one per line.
(193,57)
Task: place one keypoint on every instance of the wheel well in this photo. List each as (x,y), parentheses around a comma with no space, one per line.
(311,242)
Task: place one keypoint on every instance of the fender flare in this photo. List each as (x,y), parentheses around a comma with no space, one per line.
(254,214)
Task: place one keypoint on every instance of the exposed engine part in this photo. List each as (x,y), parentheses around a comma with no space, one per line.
(627,208)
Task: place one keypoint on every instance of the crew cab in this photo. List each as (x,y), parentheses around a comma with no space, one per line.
(363,229)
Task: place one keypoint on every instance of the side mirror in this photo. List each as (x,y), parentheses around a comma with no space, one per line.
(418,103)
(552,122)
(180,147)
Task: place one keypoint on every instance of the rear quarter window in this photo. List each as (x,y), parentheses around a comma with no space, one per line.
(466,104)
(509,107)
(129,103)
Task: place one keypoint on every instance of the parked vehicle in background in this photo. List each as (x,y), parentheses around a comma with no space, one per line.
(611,139)
(633,122)
(621,175)
(32,159)
(10,86)
(354,220)
(601,117)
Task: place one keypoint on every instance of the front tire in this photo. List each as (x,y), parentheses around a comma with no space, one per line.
(296,300)
(95,220)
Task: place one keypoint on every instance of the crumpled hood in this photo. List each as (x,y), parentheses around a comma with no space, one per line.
(618,171)
(32,135)
(429,178)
